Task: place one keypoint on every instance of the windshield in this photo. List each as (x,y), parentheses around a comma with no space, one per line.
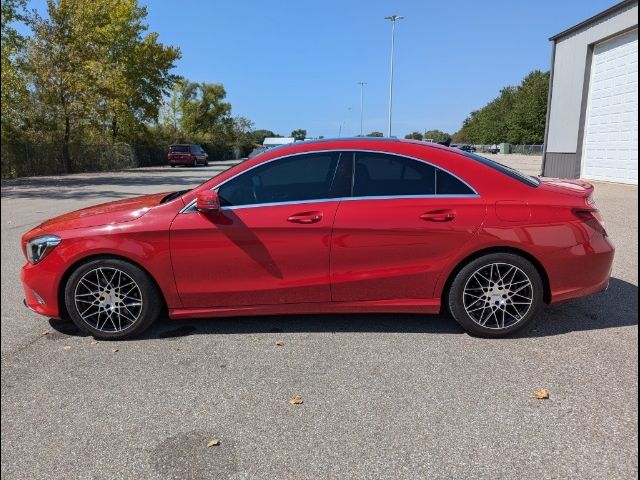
(511,172)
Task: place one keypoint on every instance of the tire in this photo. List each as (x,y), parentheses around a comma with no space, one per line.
(206,163)
(92,287)
(173,166)
(495,295)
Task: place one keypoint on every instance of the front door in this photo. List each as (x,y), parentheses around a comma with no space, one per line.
(269,243)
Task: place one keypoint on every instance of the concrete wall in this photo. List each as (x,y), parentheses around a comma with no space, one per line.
(572,62)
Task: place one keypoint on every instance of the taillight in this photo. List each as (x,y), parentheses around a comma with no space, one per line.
(592,217)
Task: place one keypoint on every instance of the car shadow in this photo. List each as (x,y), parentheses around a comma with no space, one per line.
(616,307)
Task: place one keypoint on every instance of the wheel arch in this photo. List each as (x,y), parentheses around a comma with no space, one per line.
(81,261)
(546,294)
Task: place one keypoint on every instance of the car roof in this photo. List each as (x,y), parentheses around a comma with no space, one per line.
(344,142)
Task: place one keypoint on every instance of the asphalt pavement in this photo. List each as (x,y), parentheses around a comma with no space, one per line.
(385,396)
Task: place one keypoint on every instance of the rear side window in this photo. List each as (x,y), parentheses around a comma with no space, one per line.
(379,174)
(447,184)
(297,178)
(179,148)
(385,175)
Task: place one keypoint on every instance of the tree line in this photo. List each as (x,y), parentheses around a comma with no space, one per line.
(91,73)
(517,116)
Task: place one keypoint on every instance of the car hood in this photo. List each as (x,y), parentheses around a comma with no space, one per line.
(110,213)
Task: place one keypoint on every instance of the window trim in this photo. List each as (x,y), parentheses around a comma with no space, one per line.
(190,207)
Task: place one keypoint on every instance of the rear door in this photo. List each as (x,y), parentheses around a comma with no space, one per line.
(405,220)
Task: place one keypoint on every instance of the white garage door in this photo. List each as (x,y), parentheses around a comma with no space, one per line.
(610,150)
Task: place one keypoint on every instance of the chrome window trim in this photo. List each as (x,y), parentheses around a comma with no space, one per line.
(189,208)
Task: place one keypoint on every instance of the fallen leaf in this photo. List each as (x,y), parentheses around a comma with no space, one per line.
(297,400)
(66,347)
(213,443)
(541,394)
(280,343)
(114,350)
(94,342)
(46,332)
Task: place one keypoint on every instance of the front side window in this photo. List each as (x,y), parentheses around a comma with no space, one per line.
(292,179)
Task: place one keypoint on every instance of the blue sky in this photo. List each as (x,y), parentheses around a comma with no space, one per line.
(288,65)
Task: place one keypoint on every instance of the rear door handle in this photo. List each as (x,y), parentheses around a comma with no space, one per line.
(438,216)
(305,217)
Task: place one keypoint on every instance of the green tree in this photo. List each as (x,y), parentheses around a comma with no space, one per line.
(299,134)
(414,136)
(92,70)
(517,115)
(437,136)
(14,94)
(528,115)
(258,136)
(375,134)
(204,113)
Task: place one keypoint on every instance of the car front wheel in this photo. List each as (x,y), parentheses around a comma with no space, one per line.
(112,299)
(496,295)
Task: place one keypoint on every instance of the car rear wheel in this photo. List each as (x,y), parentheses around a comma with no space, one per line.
(496,295)
(112,299)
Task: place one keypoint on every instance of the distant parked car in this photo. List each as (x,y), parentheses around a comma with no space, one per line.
(493,149)
(467,148)
(187,154)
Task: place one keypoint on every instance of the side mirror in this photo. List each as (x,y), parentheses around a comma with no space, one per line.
(208,202)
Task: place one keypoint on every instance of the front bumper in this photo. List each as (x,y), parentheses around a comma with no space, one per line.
(40,283)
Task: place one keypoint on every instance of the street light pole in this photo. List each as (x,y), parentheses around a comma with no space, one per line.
(393,19)
(362,84)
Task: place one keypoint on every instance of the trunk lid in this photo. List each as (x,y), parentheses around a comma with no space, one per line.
(576,187)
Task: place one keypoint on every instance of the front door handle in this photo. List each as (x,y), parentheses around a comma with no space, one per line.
(305,217)
(438,216)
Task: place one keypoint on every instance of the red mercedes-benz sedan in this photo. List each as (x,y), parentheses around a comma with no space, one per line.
(334,226)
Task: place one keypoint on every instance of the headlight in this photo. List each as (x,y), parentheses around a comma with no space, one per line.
(39,247)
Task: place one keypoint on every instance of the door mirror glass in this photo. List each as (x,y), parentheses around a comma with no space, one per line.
(208,202)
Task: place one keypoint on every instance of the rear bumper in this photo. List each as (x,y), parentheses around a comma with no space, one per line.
(580,270)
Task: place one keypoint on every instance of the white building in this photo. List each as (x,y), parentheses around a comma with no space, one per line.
(277,141)
(592,117)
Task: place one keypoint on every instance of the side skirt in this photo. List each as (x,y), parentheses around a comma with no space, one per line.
(418,305)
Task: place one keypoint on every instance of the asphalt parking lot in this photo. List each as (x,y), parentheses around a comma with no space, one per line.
(385,396)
